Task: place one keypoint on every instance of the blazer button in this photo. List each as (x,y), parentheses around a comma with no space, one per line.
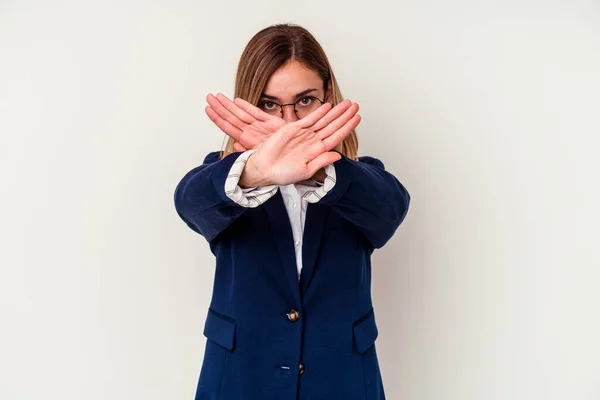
(293,315)
(301,368)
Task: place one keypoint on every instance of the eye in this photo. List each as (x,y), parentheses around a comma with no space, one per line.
(305,101)
(267,105)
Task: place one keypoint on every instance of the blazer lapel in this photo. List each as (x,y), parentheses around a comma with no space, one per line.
(284,238)
(316,216)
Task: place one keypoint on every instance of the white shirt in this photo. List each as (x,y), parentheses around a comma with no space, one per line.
(296,197)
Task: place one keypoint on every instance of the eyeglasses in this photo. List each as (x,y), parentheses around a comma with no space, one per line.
(302,107)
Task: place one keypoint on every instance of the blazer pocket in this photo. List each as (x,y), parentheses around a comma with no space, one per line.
(365,332)
(220,329)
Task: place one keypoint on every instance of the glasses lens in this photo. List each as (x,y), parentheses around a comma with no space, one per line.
(306,105)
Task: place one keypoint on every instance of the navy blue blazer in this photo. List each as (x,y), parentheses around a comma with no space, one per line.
(269,335)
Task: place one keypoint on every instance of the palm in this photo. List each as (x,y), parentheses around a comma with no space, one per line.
(254,134)
(301,148)
(246,123)
(287,154)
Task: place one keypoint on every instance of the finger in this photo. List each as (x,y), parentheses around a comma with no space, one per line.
(338,137)
(225,126)
(223,112)
(314,116)
(252,110)
(334,113)
(238,147)
(322,160)
(235,110)
(338,122)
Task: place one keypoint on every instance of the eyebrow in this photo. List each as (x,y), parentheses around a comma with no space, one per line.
(302,93)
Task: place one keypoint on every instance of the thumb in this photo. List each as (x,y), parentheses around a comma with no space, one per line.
(322,160)
(238,147)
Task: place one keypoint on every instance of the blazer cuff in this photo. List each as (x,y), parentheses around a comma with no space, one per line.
(342,180)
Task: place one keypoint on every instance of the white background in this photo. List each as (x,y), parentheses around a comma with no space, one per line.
(487,111)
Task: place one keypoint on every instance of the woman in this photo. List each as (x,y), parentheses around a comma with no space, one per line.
(292,215)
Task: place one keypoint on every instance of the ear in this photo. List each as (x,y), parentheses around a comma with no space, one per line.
(328,93)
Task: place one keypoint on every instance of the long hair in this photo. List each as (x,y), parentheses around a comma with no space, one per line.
(270,49)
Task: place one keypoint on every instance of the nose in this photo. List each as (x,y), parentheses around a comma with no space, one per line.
(289,115)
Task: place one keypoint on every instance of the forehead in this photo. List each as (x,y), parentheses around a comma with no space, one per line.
(290,79)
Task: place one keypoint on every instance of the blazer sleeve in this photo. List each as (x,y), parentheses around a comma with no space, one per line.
(201,199)
(368,196)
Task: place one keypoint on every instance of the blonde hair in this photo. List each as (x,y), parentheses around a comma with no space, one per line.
(270,49)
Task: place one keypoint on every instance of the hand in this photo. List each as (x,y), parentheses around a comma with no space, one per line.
(248,125)
(298,150)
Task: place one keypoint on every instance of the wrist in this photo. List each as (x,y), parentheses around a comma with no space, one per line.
(252,176)
(320,175)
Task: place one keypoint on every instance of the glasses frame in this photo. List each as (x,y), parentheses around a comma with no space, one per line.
(294,104)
